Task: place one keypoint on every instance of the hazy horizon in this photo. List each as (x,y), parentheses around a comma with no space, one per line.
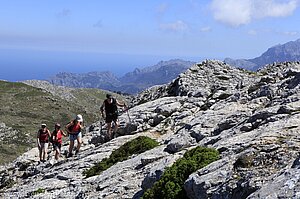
(20,65)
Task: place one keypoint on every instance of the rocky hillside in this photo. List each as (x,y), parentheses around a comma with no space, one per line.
(132,82)
(24,106)
(104,80)
(289,51)
(251,119)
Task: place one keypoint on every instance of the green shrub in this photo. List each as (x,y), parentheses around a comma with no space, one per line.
(135,146)
(38,191)
(170,186)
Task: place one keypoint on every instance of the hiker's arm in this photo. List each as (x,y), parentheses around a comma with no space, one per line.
(52,136)
(102,109)
(62,132)
(38,140)
(49,133)
(81,125)
(67,127)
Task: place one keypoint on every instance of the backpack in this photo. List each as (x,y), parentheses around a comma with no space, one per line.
(70,128)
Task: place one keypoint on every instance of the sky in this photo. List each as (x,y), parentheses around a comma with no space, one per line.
(41,38)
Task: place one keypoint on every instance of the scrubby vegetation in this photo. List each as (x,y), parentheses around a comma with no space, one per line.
(24,108)
(38,191)
(135,146)
(170,186)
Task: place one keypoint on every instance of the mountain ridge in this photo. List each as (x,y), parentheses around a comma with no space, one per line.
(289,51)
(250,118)
(132,82)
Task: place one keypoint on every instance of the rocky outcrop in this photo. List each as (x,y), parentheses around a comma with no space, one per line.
(60,91)
(104,80)
(252,119)
(7,134)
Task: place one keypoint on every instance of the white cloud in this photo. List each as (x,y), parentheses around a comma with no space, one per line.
(174,27)
(252,32)
(240,12)
(161,8)
(289,33)
(205,29)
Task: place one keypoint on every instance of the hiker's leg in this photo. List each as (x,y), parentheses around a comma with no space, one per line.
(79,141)
(40,153)
(117,124)
(55,148)
(116,128)
(57,152)
(45,151)
(108,129)
(72,138)
(43,155)
(71,146)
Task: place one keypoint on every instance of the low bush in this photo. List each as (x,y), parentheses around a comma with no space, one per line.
(170,186)
(135,146)
(38,191)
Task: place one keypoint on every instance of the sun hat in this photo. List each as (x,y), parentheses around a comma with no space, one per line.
(79,118)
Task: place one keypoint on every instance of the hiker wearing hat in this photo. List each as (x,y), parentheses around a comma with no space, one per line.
(43,135)
(74,131)
(110,107)
(56,138)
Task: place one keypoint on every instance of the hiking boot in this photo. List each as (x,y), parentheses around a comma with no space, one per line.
(70,155)
(114,135)
(76,152)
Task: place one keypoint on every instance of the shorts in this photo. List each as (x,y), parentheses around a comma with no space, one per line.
(44,145)
(111,117)
(56,145)
(74,137)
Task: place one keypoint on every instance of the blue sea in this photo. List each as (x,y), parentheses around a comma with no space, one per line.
(19,65)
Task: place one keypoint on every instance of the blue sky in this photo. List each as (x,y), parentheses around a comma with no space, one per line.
(49,36)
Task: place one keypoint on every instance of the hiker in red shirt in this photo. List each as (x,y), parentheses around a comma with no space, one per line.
(74,130)
(56,138)
(43,135)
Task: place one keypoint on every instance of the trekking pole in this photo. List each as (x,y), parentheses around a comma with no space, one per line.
(101,123)
(128,116)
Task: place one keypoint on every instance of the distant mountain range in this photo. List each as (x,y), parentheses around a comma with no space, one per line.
(289,51)
(165,71)
(132,82)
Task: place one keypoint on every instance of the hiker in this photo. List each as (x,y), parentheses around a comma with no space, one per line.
(43,135)
(56,138)
(74,131)
(110,105)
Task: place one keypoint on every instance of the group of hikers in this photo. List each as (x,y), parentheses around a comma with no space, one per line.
(109,111)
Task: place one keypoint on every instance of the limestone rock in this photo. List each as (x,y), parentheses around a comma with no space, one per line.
(252,119)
